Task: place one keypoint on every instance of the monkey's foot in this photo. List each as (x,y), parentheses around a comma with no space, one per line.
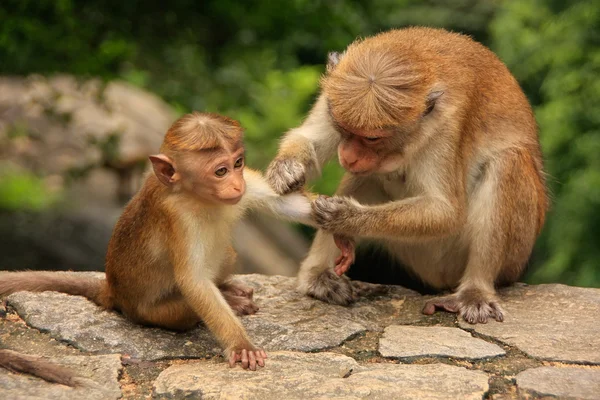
(471,304)
(248,358)
(340,290)
(241,305)
(330,288)
(236,289)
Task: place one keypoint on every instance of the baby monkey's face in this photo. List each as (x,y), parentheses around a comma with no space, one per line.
(215,175)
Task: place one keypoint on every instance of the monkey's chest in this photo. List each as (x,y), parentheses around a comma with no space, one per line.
(398,186)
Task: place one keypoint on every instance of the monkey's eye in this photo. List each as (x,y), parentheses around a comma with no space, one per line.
(372,139)
(239,162)
(221,171)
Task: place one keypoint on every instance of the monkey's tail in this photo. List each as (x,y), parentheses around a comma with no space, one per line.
(37,366)
(95,289)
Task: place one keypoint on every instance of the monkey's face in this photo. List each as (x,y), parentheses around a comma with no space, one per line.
(363,152)
(215,177)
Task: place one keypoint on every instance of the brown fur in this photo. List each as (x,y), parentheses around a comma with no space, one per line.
(38,366)
(169,260)
(444,159)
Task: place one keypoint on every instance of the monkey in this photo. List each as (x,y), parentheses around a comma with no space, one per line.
(170,259)
(443,168)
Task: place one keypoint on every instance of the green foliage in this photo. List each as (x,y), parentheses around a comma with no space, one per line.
(260,61)
(553,48)
(21,190)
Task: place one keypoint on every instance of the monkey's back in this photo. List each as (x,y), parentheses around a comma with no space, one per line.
(135,257)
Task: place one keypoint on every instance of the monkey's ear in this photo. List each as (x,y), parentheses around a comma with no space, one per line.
(432,98)
(163,168)
(333,58)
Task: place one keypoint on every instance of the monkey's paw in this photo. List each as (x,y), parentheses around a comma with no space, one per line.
(472,305)
(330,288)
(249,357)
(334,214)
(236,289)
(241,305)
(286,175)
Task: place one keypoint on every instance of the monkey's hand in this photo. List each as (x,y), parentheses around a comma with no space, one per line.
(335,214)
(286,175)
(346,258)
(248,355)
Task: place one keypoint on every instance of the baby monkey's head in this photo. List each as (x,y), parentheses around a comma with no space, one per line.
(203,155)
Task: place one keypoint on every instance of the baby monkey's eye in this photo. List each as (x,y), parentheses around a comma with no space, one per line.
(239,162)
(372,139)
(221,171)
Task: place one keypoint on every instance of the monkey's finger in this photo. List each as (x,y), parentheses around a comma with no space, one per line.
(245,359)
(232,359)
(263,354)
(259,359)
(252,359)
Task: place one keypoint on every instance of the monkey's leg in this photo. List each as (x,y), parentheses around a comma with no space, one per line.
(317,277)
(173,313)
(502,224)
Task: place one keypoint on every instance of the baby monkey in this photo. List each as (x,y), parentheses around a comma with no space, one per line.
(170,260)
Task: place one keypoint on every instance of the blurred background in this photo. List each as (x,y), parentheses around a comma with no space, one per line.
(88,88)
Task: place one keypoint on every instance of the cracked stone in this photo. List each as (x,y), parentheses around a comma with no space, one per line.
(321,375)
(437,341)
(287,320)
(563,382)
(549,322)
(100,373)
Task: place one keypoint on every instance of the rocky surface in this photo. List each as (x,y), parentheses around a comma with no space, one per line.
(549,322)
(380,347)
(322,375)
(437,341)
(286,321)
(99,380)
(570,382)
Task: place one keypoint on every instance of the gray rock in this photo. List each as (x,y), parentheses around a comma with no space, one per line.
(550,322)
(290,375)
(287,320)
(420,341)
(86,326)
(562,382)
(100,381)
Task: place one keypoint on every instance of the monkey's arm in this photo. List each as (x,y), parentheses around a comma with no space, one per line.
(412,219)
(260,196)
(304,150)
(194,274)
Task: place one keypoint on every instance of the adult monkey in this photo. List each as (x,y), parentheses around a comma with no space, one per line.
(444,168)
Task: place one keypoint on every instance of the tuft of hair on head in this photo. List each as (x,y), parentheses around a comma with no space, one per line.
(378,83)
(201,131)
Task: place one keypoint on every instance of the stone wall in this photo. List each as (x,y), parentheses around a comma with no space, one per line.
(382,347)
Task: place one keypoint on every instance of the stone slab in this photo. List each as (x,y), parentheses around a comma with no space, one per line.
(287,320)
(100,377)
(400,341)
(562,382)
(549,322)
(291,375)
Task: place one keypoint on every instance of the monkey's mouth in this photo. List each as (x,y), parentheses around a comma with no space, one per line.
(231,200)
